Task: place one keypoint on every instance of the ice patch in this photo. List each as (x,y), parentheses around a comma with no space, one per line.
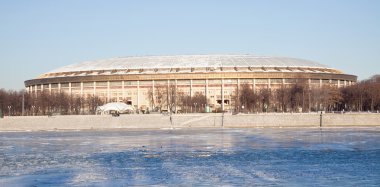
(265,176)
(87,177)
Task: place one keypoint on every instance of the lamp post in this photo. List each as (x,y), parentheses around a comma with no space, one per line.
(195,105)
(33,109)
(23,104)
(9,110)
(1,111)
(266,107)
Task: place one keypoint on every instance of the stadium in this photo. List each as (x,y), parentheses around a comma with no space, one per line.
(135,80)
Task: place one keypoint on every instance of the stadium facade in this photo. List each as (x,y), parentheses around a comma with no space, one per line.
(135,79)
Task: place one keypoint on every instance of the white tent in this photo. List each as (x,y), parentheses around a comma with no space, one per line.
(117,106)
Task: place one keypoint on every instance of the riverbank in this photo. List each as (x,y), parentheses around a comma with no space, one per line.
(214,120)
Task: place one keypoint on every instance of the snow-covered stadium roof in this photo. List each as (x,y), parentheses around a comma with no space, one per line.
(190,61)
(188,64)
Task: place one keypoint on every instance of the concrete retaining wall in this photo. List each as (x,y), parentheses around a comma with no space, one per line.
(185,121)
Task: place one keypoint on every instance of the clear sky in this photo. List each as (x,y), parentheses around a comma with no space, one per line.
(39,36)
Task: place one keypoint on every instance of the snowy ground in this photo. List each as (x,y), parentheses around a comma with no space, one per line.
(192,157)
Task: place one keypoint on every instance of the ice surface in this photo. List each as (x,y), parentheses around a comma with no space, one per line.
(192,157)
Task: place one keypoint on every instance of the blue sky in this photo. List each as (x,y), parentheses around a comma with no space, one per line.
(39,36)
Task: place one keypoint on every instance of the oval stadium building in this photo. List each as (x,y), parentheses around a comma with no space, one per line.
(135,79)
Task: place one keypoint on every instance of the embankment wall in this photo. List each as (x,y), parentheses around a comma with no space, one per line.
(154,121)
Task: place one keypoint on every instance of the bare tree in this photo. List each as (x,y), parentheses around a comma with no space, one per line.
(193,103)
(282,98)
(151,98)
(92,102)
(248,98)
(161,96)
(264,99)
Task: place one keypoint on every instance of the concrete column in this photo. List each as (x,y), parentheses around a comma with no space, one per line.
(70,92)
(191,88)
(320,83)
(238,89)
(81,89)
(237,95)
(254,85)
(176,92)
(153,94)
(222,94)
(108,92)
(138,94)
(42,88)
(269,86)
(338,83)
(122,89)
(153,91)
(94,93)
(59,87)
(35,90)
(206,90)
(50,88)
(168,94)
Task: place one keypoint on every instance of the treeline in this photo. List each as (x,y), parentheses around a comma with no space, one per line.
(11,103)
(364,96)
(299,97)
(169,97)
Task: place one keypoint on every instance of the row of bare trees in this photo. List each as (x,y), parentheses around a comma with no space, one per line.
(169,97)
(364,96)
(196,103)
(299,97)
(18,103)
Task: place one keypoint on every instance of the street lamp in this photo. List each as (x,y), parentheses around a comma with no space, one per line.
(33,109)
(266,107)
(9,110)
(195,104)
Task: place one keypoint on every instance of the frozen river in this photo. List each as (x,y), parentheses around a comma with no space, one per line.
(192,157)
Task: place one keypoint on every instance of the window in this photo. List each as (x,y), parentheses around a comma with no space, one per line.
(261,81)
(101,84)
(75,85)
(116,83)
(88,84)
(276,81)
